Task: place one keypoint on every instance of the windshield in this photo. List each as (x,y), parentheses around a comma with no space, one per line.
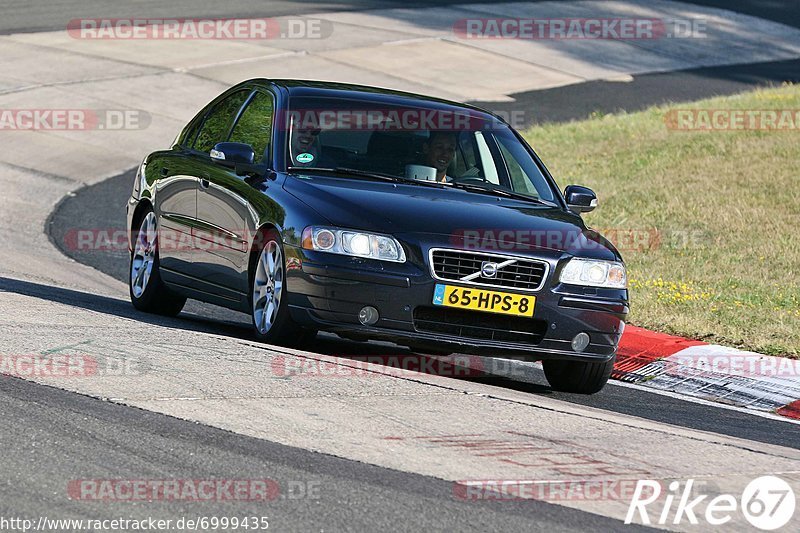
(454,146)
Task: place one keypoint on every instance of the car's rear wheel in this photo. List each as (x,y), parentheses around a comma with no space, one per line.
(148,293)
(269,296)
(581,377)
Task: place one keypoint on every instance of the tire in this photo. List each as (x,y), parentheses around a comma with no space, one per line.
(148,293)
(271,320)
(580,377)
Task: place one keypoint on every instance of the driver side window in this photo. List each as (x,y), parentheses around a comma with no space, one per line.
(218,121)
(254,126)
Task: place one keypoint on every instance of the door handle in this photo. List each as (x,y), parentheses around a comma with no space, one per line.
(204,183)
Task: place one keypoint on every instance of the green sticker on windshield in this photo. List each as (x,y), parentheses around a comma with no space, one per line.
(305,157)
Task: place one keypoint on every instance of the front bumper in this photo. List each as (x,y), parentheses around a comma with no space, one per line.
(326,292)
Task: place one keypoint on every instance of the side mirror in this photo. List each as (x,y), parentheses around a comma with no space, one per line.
(580,199)
(231,154)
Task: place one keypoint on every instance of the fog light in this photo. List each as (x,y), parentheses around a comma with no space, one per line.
(580,342)
(369,315)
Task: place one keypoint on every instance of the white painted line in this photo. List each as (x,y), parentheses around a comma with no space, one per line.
(411,40)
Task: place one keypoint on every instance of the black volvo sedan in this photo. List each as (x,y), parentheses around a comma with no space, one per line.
(377,214)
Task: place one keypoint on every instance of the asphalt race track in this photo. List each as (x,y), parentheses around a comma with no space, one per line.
(581,100)
(21,16)
(353,495)
(98,207)
(362,453)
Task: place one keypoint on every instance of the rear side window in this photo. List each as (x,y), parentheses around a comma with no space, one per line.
(254,126)
(218,121)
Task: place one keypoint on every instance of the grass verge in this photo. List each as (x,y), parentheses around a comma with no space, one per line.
(708,221)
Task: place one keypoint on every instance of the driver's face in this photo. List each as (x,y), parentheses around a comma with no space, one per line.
(440,152)
(303,139)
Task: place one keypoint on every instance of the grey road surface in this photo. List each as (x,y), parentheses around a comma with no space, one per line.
(29,16)
(52,437)
(22,16)
(100,207)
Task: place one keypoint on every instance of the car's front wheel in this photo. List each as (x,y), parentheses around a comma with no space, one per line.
(270,313)
(148,292)
(581,377)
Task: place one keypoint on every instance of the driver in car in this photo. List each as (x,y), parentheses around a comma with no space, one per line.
(304,149)
(439,151)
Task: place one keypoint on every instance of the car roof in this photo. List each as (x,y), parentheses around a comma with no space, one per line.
(348,90)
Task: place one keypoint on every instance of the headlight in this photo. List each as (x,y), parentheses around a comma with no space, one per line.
(593,273)
(353,243)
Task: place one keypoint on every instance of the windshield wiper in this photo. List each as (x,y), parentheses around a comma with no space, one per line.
(365,174)
(345,170)
(498,192)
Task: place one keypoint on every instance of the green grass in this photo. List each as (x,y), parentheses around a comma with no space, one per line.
(725,203)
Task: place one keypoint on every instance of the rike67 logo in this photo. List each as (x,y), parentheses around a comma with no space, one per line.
(768,503)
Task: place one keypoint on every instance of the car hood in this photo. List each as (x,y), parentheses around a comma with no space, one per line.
(467,218)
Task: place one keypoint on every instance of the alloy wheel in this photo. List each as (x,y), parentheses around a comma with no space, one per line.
(267,287)
(144,255)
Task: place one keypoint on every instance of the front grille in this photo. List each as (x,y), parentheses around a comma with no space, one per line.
(454,265)
(476,325)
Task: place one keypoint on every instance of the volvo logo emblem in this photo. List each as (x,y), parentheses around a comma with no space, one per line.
(488,269)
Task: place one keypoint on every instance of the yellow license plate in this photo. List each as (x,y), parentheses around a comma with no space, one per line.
(482,300)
